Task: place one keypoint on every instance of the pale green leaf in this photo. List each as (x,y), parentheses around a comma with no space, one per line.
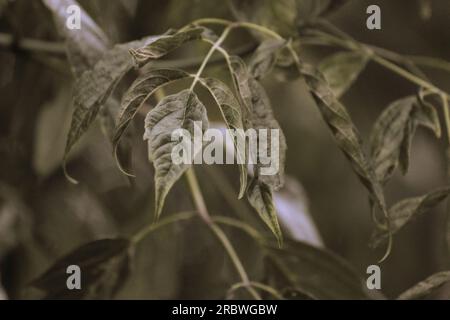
(178,111)
(265,57)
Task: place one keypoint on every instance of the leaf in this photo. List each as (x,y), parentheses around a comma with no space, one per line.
(342,69)
(93,89)
(84,47)
(317,273)
(406,210)
(178,111)
(426,286)
(343,130)
(390,131)
(162,45)
(241,76)
(426,115)
(139,92)
(104,265)
(231,113)
(259,195)
(265,57)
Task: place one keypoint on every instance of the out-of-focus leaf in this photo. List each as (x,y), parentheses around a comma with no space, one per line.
(265,57)
(95,86)
(139,92)
(342,69)
(260,197)
(344,131)
(85,46)
(389,133)
(317,273)
(426,286)
(130,6)
(162,45)
(178,111)
(406,210)
(231,113)
(104,265)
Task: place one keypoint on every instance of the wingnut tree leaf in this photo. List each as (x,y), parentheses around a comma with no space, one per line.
(139,92)
(104,265)
(426,115)
(260,197)
(162,45)
(94,87)
(425,287)
(318,273)
(231,113)
(343,130)
(241,76)
(84,47)
(178,111)
(406,210)
(342,69)
(391,130)
(265,57)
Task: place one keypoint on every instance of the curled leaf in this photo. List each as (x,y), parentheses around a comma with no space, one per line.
(342,69)
(104,266)
(139,92)
(406,210)
(178,111)
(265,57)
(260,197)
(162,45)
(426,286)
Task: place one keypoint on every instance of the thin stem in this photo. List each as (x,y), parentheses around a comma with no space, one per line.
(213,49)
(257,285)
(204,214)
(445,105)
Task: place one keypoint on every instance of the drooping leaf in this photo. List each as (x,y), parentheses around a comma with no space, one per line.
(162,45)
(259,196)
(178,111)
(265,57)
(241,76)
(344,131)
(84,47)
(95,86)
(104,265)
(317,273)
(342,69)
(406,210)
(425,287)
(139,92)
(426,115)
(390,131)
(231,113)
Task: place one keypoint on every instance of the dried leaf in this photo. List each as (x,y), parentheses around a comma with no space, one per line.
(426,286)
(315,272)
(406,210)
(342,69)
(260,197)
(139,92)
(104,265)
(231,113)
(162,45)
(265,57)
(178,111)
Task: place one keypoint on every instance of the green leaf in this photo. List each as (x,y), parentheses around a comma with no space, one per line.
(265,57)
(259,195)
(178,111)
(93,89)
(426,286)
(139,92)
(342,69)
(162,45)
(406,210)
(241,76)
(231,113)
(345,133)
(84,47)
(391,130)
(104,265)
(314,272)
(426,115)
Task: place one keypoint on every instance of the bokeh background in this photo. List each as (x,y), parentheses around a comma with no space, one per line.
(183,261)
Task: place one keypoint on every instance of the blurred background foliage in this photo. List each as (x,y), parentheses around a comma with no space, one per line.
(43,216)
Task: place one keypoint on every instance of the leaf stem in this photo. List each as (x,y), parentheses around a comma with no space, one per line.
(204,214)
(257,285)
